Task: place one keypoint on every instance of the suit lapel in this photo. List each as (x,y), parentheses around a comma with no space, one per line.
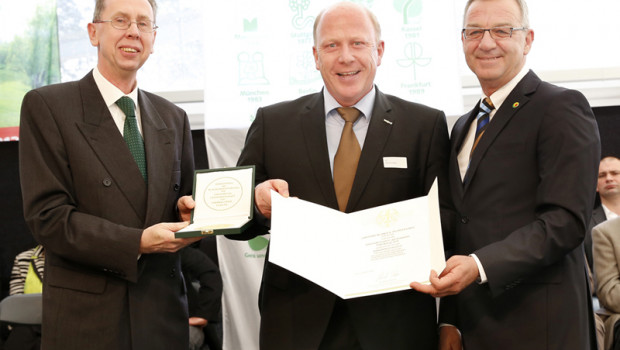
(159,145)
(598,216)
(103,135)
(459,131)
(515,102)
(313,126)
(379,129)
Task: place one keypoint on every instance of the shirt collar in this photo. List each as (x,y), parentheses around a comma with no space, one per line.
(364,105)
(499,96)
(608,213)
(111,93)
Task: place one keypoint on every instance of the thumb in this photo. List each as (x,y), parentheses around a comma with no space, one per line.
(281,187)
(175,226)
(187,202)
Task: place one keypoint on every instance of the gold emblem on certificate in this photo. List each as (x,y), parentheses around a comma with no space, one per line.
(387,217)
(223,193)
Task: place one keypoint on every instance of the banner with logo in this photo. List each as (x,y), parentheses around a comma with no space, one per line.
(241,263)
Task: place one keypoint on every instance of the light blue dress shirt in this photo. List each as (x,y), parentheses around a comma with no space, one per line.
(334,122)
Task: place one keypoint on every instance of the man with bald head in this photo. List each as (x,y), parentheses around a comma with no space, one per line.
(297,149)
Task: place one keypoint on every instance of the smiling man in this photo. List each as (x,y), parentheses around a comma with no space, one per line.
(103,167)
(394,150)
(523,169)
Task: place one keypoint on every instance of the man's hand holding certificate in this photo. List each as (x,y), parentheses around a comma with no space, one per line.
(373,251)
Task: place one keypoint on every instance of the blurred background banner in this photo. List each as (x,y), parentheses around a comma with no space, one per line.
(268,56)
(28,56)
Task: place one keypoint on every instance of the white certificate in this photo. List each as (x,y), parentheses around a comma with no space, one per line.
(372,251)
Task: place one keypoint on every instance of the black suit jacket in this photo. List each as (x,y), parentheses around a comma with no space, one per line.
(524,212)
(87,203)
(598,216)
(288,141)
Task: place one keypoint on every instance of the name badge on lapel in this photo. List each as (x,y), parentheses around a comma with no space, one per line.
(395,162)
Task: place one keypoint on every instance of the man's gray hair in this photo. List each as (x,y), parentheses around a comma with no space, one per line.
(99,4)
(525,16)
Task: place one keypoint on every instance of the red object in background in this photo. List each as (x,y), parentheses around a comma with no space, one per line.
(9,134)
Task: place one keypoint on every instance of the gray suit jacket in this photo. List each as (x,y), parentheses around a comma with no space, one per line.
(86,202)
(524,213)
(288,141)
(606,249)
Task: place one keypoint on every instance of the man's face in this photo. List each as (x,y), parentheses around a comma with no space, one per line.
(122,52)
(609,178)
(347,53)
(496,61)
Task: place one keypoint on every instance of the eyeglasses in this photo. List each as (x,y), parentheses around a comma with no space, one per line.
(122,23)
(495,33)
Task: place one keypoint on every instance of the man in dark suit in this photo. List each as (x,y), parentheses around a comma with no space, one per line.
(112,275)
(404,147)
(523,191)
(204,300)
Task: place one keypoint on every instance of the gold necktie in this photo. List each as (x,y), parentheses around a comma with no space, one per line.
(347,157)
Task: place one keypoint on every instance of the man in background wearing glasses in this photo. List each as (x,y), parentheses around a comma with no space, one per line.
(101,180)
(523,186)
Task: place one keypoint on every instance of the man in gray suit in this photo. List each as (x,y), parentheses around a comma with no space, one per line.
(608,189)
(606,249)
(522,174)
(294,145)
(107,217)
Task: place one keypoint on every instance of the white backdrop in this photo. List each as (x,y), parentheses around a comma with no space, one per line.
(262,54)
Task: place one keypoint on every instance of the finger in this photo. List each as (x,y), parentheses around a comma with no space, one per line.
(443,284)
(422,288)
(175,226)
(281,187)
(449,267)
(186,202)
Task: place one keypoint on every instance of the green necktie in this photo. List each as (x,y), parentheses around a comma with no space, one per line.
(132,134)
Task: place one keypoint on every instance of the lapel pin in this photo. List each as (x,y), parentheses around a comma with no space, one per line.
(387,121)
(515,105)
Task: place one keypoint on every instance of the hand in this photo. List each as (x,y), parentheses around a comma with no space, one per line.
(159,238)
(197,321)
(449,338)
(460,272)
(185,205)
(262,195)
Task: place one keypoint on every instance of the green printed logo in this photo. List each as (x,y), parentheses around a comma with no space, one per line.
(258,243)
(413,57)
(250,25)
(298,7)
(409,9)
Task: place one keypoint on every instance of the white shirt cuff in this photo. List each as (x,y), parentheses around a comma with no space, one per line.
(483,276)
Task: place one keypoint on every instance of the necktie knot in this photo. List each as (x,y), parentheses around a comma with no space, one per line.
(487,105)
(349,114)
(125,103)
